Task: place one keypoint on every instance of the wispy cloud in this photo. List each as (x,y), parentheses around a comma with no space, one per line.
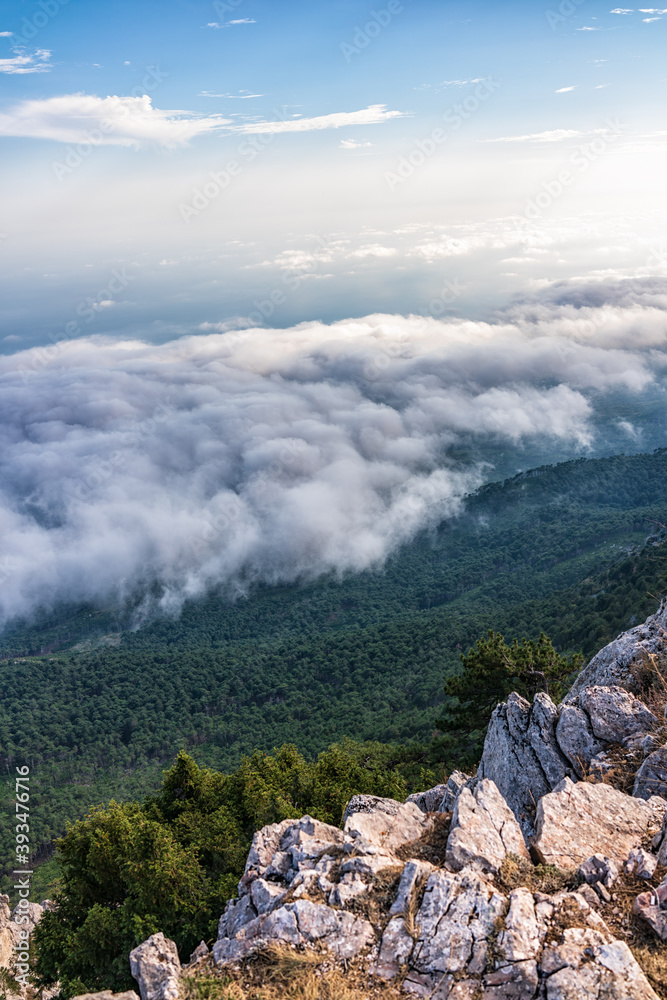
(375,114)
(117,121)
(227,24)
(133,121)
(353,144)
(566,90)
(553,135)
(243,95)
(621,10)
(26,62)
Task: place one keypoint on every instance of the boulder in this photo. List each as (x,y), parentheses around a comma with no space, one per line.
(384,823)
(156,967)
(614,713)
(629,659)
(300,924)
(414,874)
(576,739)
(484,830)
(107,995)
(521,755)
(430,800)
(606,970)
(201,951)
(455,783)
(576,821)
(651,906)
(456,920)
(651,778)
(598,869)
(395,949)
(641,863)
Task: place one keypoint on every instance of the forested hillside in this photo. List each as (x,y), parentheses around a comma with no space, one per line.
(575,550)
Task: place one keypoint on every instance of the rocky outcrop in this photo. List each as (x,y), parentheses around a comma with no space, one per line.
(384,823)
(107,995)
(651,778)
(556,947)
(529,750)
(578,820)
(629,660)
(156,967)
(521,755)
(484,830)
(430,800)
(652,907)
(446,928)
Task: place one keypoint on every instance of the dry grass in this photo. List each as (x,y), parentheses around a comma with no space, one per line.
(375,904)
(516,872)
(432,845)
(648,949)
(281,973)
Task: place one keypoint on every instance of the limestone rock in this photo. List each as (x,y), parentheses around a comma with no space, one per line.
(518,981)
(576,739)
(484,830)
(107,995)
(652,907)
(576,821)
(606,970)
(651,778)
(414,875)
(521,938)
(455,920)
(455,783)
(350,886)
(598,869)
(615,713)
(430,800)
(201,951)
(395,949)
(156,967)
(521,756)
(641,863)
(301,923)
(384,823)
(624,661)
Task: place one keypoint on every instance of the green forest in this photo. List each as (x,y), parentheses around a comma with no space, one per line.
(98,710)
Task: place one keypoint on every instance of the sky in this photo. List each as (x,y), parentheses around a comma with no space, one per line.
(372,236)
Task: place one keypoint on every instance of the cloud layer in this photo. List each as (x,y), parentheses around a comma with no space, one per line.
(278,455)
(133,121)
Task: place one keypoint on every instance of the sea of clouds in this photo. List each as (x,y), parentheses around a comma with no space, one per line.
(234,457)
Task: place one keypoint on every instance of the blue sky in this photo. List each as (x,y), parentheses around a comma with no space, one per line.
(113,116)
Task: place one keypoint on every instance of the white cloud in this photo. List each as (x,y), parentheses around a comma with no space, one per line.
(277,455)
(565,90)
(118,121)
(22,62)
(375,114)
(133,121)
(649,20)
(353,144)
(226,24)
(621,10)
(6,34)
(243,95)
(553,135)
